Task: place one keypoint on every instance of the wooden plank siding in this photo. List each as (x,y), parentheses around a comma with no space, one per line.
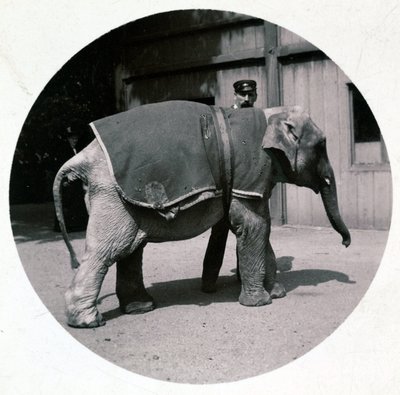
(196,65)
(199,55)
(364,194)
(287,37)
(383,199)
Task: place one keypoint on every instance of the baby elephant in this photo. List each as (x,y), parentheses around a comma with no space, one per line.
(170,171)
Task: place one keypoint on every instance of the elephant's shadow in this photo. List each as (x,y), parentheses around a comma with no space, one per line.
(187,291)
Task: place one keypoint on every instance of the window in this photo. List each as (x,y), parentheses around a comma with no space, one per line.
(367,142)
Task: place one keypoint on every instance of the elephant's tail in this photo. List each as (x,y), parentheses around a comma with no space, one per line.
(68,171)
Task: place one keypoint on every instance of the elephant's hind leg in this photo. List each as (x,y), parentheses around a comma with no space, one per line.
(82,294)
(111,236)
(132,295)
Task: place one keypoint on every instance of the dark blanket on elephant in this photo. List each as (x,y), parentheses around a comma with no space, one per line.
(248,126)
(156,152)
(165,153)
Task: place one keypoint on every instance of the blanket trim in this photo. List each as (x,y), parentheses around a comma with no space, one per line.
(246,194)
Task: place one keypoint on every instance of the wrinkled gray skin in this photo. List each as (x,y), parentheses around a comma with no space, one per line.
(118,231)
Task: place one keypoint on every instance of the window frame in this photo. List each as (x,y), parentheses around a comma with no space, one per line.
(384,165)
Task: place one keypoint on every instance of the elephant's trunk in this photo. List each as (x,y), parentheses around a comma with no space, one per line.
(329,198)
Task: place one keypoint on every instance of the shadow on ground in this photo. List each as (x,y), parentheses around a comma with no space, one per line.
(35,222)
(205,345)
(187,291)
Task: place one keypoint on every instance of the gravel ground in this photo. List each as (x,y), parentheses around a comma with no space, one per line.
(194,337)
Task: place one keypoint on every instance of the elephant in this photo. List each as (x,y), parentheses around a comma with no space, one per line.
(289,148)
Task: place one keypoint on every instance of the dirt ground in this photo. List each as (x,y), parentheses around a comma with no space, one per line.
(194,337)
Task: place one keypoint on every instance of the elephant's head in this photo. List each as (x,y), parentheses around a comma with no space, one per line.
(298,150)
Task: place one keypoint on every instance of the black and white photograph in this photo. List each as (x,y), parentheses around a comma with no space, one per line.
(200,199)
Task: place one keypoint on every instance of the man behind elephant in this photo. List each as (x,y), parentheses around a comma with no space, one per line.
(245,95)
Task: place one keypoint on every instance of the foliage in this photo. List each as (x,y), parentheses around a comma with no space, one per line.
(79,93)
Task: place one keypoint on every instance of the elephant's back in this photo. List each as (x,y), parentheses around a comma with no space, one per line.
(156,152)
(177,115)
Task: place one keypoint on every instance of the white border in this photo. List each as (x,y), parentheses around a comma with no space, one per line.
(37,38)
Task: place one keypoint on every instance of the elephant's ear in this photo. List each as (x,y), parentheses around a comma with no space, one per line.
(281,135)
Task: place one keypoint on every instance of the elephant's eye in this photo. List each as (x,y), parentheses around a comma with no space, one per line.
(291,130)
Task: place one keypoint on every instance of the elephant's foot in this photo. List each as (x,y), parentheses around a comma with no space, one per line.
(88,318)
(81,312)
(255,299)
(277,290)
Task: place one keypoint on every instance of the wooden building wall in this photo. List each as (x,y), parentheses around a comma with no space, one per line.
(192,56)
(197,55)
(364,191)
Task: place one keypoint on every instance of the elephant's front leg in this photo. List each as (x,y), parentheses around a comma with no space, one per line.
(132,295)
(252,233)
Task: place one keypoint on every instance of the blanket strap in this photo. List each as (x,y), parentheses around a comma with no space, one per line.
(223,130)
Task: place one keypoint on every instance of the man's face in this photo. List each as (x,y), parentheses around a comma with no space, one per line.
(245,99)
